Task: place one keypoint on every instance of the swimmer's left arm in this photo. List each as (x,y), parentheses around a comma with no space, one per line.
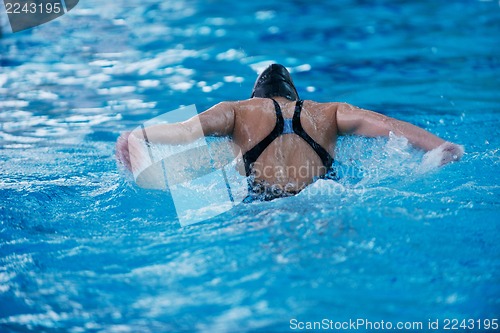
(352,120)
(216,121)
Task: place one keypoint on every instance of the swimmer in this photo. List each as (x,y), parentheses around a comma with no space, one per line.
(286,142)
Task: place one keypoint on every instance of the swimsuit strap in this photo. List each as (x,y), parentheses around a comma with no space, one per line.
(253,154)
(325,157)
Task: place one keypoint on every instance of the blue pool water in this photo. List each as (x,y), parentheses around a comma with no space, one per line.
(83,249)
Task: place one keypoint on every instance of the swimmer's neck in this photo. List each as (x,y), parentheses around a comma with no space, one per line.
(282,99)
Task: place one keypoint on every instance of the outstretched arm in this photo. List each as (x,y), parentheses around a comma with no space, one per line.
(352,120)
(216,121)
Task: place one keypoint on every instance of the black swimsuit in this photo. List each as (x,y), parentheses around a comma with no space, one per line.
(286,126)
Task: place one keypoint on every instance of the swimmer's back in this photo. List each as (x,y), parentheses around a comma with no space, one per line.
(288,159)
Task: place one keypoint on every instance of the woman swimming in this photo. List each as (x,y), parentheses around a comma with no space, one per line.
(286,142)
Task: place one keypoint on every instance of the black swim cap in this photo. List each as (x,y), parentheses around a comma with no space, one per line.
(275,81)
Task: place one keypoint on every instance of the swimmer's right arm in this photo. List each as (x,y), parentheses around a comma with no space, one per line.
(353,120)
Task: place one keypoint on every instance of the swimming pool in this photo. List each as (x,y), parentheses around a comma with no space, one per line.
(84,249)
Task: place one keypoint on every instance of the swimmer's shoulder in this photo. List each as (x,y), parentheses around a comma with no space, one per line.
(249,104)
(251,101)
(255,102)
(322,107)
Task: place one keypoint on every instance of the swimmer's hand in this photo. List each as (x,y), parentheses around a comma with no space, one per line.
(132,151)
(122,150)
(443,154)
